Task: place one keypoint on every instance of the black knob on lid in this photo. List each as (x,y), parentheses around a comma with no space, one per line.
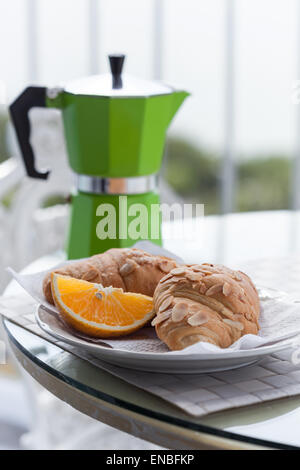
(116,65)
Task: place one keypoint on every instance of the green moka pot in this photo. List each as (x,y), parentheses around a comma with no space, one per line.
(115,128)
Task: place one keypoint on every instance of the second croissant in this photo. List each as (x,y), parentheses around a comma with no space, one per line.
(206,302)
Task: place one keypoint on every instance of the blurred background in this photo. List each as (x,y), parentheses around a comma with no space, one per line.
(234,146)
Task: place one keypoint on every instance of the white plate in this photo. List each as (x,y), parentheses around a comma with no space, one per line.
(156,362)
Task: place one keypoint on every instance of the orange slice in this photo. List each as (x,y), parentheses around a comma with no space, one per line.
(100,311)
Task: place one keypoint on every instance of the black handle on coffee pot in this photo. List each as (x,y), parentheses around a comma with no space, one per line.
(30,98)
(116,62)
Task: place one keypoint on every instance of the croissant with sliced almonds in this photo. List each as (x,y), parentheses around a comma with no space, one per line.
(206,302)
(131,269)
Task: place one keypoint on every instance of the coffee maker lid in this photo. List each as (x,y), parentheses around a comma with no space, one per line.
(115,84)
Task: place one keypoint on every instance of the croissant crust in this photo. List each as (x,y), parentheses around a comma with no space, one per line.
(131,269)
(205,302)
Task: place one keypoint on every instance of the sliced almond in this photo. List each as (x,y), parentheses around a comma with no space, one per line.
(237,276)
(165,278)
(198,319)
(195,308)
(227,289)
(166,266)
(242,295)
(206,272)
(178,279)
(196,268)
(235,324)
(166,304)
(90,275)
(178,271)
(192,276)
(179,311)
(215,289)
(127,268)
(167,286)
(164,294)
(202,288)
(161,317)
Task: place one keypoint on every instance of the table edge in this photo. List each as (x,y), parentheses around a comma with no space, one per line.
(143,412)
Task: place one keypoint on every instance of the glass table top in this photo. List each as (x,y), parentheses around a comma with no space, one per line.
(274,424)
